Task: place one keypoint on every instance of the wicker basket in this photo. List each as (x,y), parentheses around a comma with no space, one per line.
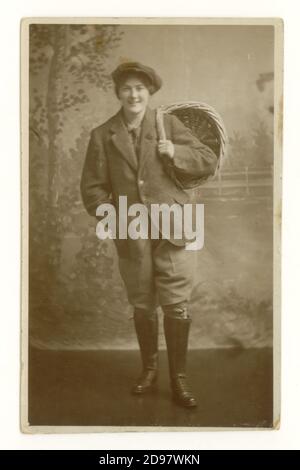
(203,122)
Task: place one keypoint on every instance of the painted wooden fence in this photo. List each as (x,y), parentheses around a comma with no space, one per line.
(245,179)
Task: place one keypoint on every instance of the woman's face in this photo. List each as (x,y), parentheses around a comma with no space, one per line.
(133,95)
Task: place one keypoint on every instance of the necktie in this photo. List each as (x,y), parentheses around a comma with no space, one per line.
(135,139)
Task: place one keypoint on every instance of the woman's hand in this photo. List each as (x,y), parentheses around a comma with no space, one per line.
(166,147)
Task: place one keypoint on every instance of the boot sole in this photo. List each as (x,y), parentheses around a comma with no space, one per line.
(148,390)
(183,404)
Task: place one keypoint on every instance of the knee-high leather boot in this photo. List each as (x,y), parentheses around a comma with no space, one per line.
(146,326)
(176,333)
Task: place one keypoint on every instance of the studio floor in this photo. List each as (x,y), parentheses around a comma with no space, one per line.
(233,388)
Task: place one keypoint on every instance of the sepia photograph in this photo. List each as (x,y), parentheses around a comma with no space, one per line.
(151,201)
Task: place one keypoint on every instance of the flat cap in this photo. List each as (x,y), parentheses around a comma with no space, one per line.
(136,68)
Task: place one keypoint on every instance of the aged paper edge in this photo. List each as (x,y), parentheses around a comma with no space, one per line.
(277,23)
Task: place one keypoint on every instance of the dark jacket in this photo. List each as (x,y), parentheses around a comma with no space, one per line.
(112,169)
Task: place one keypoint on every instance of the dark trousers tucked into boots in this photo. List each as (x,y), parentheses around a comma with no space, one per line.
(146,327)
(176,326)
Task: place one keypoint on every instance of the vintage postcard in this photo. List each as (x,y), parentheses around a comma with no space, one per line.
(151,201)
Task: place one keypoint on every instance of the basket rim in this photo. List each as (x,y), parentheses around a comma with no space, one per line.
(200,105)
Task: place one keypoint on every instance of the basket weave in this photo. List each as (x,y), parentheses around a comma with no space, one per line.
(202,120)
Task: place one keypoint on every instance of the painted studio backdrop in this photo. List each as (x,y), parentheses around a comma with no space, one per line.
(77,299)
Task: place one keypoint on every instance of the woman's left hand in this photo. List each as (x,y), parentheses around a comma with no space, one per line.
(166,147)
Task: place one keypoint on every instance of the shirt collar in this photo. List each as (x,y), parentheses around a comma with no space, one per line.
(130,126)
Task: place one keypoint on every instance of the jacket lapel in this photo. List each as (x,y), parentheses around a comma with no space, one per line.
(121,140)
(148,137)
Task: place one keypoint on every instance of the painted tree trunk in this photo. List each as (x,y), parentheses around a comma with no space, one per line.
(54,121)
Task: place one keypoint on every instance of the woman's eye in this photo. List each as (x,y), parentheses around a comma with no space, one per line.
(128,89)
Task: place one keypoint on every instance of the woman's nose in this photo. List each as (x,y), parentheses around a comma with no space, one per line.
(133,92)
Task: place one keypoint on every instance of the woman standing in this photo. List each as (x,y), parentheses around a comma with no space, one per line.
(125,157)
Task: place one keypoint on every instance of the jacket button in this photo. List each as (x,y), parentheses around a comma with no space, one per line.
(141,182)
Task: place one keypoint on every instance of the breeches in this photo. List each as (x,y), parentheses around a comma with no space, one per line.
(164,275)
